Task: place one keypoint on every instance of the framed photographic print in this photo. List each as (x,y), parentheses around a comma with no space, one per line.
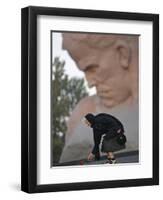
(90,99)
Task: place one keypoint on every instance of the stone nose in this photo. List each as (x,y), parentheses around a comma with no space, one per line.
(91,78)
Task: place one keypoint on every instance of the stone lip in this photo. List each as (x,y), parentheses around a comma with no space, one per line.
(123,157)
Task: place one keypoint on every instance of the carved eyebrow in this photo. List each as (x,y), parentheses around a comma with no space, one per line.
(90,66)
(87,66)
(87,62)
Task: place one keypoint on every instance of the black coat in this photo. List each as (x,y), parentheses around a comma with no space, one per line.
(104,124)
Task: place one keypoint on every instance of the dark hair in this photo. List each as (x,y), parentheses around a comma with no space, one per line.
(90,118)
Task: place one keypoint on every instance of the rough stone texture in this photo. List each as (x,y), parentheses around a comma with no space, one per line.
(110,63)
(121,158)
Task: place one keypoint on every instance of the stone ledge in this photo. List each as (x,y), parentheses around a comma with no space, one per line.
(124,157)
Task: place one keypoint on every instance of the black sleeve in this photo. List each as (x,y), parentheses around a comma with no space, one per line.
(97,139)
(95,150)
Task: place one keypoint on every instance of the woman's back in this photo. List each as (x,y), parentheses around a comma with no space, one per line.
(105,122)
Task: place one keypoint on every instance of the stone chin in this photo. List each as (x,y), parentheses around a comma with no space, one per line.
(108,102)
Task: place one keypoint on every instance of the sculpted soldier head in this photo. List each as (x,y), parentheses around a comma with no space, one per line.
(110,63)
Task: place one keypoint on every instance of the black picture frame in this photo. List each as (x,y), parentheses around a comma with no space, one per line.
(29,98)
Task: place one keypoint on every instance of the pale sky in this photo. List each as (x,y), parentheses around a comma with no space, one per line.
(70,66)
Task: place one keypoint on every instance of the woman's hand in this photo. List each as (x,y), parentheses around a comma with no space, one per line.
(91,156)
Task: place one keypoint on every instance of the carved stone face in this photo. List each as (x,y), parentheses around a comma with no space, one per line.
(106,68)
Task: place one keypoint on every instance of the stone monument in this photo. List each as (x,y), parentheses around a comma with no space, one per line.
(110,64)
